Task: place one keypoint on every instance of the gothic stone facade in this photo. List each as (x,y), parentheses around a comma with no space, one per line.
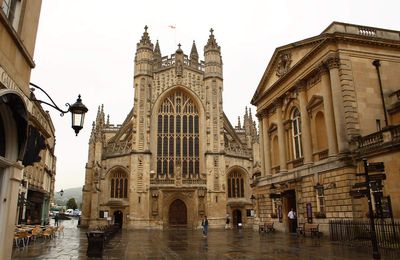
(323,104)
(176,157)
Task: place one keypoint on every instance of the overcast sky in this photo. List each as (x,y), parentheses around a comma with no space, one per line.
(87,47)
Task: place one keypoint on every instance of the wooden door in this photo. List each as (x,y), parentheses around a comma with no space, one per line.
(177,214)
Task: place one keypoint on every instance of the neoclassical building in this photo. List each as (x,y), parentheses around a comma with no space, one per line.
(176,157)
(323,104)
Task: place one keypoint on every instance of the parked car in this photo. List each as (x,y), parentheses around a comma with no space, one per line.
(77,212)
(69,212)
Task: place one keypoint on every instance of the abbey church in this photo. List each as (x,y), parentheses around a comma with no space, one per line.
(176,157)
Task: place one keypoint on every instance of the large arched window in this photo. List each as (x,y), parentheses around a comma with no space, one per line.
(119,185)
(235,185)
(178,137)
(296,127)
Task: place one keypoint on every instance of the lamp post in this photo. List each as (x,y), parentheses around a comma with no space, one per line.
(61,192)
(78,109)
(377,64)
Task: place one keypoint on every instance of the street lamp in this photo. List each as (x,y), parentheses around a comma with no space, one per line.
(61,192)
(78,109)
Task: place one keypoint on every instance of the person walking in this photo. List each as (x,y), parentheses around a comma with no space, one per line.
(204,224)
(56,220)
(227,222)
(292,221)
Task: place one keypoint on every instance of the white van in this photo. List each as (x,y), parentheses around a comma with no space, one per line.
(69,212)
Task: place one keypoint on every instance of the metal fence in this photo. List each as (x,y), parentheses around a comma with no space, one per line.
(357,232)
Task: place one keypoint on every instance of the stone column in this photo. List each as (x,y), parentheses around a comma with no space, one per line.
(281,137)
(305,123)
(333,62)
(261,138)
(267,145)
(329,114)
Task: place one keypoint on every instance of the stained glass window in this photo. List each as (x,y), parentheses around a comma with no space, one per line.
(119,185)
(178,136)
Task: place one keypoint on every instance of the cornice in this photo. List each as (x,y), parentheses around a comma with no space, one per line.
(332,37)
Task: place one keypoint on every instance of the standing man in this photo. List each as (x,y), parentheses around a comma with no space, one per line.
(56,220)
(292,221)
(204,223)
(227,221)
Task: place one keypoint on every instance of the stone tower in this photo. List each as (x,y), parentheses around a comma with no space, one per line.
(176,157)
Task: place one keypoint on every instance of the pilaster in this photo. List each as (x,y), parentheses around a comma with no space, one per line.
(333,64)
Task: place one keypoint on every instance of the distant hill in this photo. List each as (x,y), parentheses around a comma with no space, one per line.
(69,193)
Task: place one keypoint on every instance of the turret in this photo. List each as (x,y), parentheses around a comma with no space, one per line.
(194,56)
(250,128)
(212,58)
(144,56)
(157,57)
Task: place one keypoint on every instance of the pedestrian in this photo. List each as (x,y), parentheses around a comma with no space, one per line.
(227,222)
(204,224)
(56,220)
(292,221)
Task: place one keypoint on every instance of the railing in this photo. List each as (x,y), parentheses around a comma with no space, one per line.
(395,132)
(172,181)
(275,169)
(387,135)
(323,154)
(297,162)
(357,232)
(237,152)
(371,140)
(193,182)
(170,61)
(162,181)
(366,31)
(118,148)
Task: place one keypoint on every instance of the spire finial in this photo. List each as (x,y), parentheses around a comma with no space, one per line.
(179,45)
(211,31)
(145,28)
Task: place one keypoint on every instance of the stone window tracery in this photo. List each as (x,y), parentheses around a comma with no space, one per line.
(178,137)
(235,185)
(119,185)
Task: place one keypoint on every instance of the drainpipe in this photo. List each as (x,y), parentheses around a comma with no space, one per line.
(377,64)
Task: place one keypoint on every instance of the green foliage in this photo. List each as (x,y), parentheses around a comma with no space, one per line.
(71,204)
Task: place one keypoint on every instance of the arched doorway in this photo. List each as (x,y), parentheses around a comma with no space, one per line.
(237,217)
(177,214)
(118,218)
(290,203)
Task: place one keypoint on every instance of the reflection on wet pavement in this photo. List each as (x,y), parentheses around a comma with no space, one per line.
(189,244)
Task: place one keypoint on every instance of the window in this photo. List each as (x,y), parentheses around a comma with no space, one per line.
(320,200)
(378,125)
(235,185)
(12,10)
(119,185)
(296,127)
(178,137)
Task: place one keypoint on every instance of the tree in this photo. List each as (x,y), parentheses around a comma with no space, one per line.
(71,204)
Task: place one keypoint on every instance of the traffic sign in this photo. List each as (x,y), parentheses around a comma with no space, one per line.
(358,193)
(377,177)
(360,185)
(376,167)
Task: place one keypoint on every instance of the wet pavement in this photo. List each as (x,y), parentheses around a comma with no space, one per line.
(190,244)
